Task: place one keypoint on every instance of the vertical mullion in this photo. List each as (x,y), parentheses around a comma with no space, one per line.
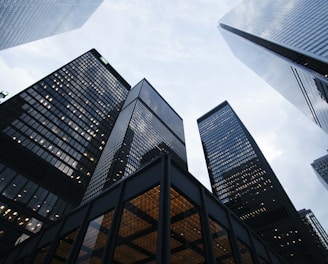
(164,230)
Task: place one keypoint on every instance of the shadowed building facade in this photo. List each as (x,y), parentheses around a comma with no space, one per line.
(147,127)
(315,228)
(243,180)
(29,20)
(158,214)
(286,45)
(52,135)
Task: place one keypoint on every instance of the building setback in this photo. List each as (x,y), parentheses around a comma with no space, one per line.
(286,45)
(159,214)
(52,135)
(320,166)
(29,20)
(147,127)
(243,180)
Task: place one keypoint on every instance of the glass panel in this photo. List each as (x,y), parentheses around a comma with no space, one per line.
(137,237)
(186,235)
(64,248)
(221,243)
(245,253)
(95,239)
(41,255)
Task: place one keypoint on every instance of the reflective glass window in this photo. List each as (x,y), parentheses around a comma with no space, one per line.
(245,253)
(64,247)
(137,236)
(95,239)
(221,243)
(186,234)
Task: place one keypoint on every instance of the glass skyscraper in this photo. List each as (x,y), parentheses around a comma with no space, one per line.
(146,128)
(320,166)
(52,135)
(28,20)
(286,44)
(243,180)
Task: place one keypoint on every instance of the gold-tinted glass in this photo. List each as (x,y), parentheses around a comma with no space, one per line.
(64,247)
(221,243)
(245,253)
(41,254)
(186,234)
(137,236)
(95,239)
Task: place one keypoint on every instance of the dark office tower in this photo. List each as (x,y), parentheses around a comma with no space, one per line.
(243,180)
(320,166)
(286,44)
(146,128)
(316,230)
(52,136)
(24,21)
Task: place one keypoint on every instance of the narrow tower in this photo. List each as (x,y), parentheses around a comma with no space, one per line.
(146,128)
(243,180)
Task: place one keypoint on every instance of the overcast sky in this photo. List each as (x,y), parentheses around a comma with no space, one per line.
(179,50)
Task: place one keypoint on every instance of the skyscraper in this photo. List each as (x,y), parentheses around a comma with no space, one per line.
(243,180)
(146,127)
(159,214)
(316,230)
(29,20)
(286,44)
(320,166)
(52,135)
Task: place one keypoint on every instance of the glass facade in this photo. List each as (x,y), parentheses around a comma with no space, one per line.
(36,19)
(167,218)
(146,128)
(242,179)
(52,136)
(320,166)
(286,45)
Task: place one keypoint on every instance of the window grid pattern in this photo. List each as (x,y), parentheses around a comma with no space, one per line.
(37,19)
(280,23)
(67,117)
(137,235)
(139,136)
(95,239)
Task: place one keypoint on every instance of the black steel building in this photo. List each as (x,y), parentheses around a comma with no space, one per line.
(159,214)
(146,128)
(243,180)
(52,135)
(286,45)
(315,228)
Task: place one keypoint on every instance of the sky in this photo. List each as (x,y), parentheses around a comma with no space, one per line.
(178,48)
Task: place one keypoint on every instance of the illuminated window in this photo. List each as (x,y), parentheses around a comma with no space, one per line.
(138,229)
(64,247)
(186,234)
(221,243)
